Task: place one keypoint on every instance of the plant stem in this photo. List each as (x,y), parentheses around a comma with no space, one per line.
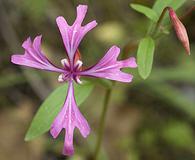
(160,20)
(102,122)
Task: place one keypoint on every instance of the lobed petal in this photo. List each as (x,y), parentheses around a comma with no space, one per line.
(69,118)
(34,57)
(72,35)
(68,142)
(130,62)
(81,12)
(108,67)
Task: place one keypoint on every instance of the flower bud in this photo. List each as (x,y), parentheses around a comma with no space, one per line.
(180,30)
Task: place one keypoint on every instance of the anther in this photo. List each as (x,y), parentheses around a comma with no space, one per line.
(78,80)
(78,64)
(60,78)
(65,62)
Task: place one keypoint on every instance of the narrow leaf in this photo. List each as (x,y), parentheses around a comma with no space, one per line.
(148,12)
(145,56)
(51,106)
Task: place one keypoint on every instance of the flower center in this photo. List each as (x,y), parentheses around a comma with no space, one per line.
(72,72)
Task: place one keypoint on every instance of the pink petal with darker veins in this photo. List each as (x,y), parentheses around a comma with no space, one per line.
(108,67)
(34,57)
(72,35)
(69,118)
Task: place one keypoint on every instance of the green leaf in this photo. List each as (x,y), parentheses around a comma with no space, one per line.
(148,12)
(161,4)
(51,106)
(145,56)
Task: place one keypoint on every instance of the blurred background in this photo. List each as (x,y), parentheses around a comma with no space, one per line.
(147,120)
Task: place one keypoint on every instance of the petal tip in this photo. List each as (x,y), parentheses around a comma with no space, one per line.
(38,37)
(68,151)
(87,132)
(59,19)
(132,62)
(82,7)
(54,132)
(94,23)
(27,43)
(130,79)
(14,59)
(37,41)
(115,48)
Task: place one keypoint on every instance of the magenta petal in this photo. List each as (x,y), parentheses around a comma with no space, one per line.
(72,35)
(130,62)
(34,57)
(81,12)
(69,118)
(68,143)
(108,67)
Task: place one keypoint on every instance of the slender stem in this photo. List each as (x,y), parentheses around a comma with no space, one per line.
(102,122)
(163,14)
(160,20)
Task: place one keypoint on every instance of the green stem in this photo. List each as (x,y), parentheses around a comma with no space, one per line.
(160,21)
(102,122)
(163,14)
(109,91)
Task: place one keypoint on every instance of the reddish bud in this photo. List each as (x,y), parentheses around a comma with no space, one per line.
(180,30)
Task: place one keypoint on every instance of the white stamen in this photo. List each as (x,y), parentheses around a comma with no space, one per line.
(60,78)
(78,63)
(78,80)
(65,62)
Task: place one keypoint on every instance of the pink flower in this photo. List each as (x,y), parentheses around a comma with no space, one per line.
(108,67)
(180,30)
